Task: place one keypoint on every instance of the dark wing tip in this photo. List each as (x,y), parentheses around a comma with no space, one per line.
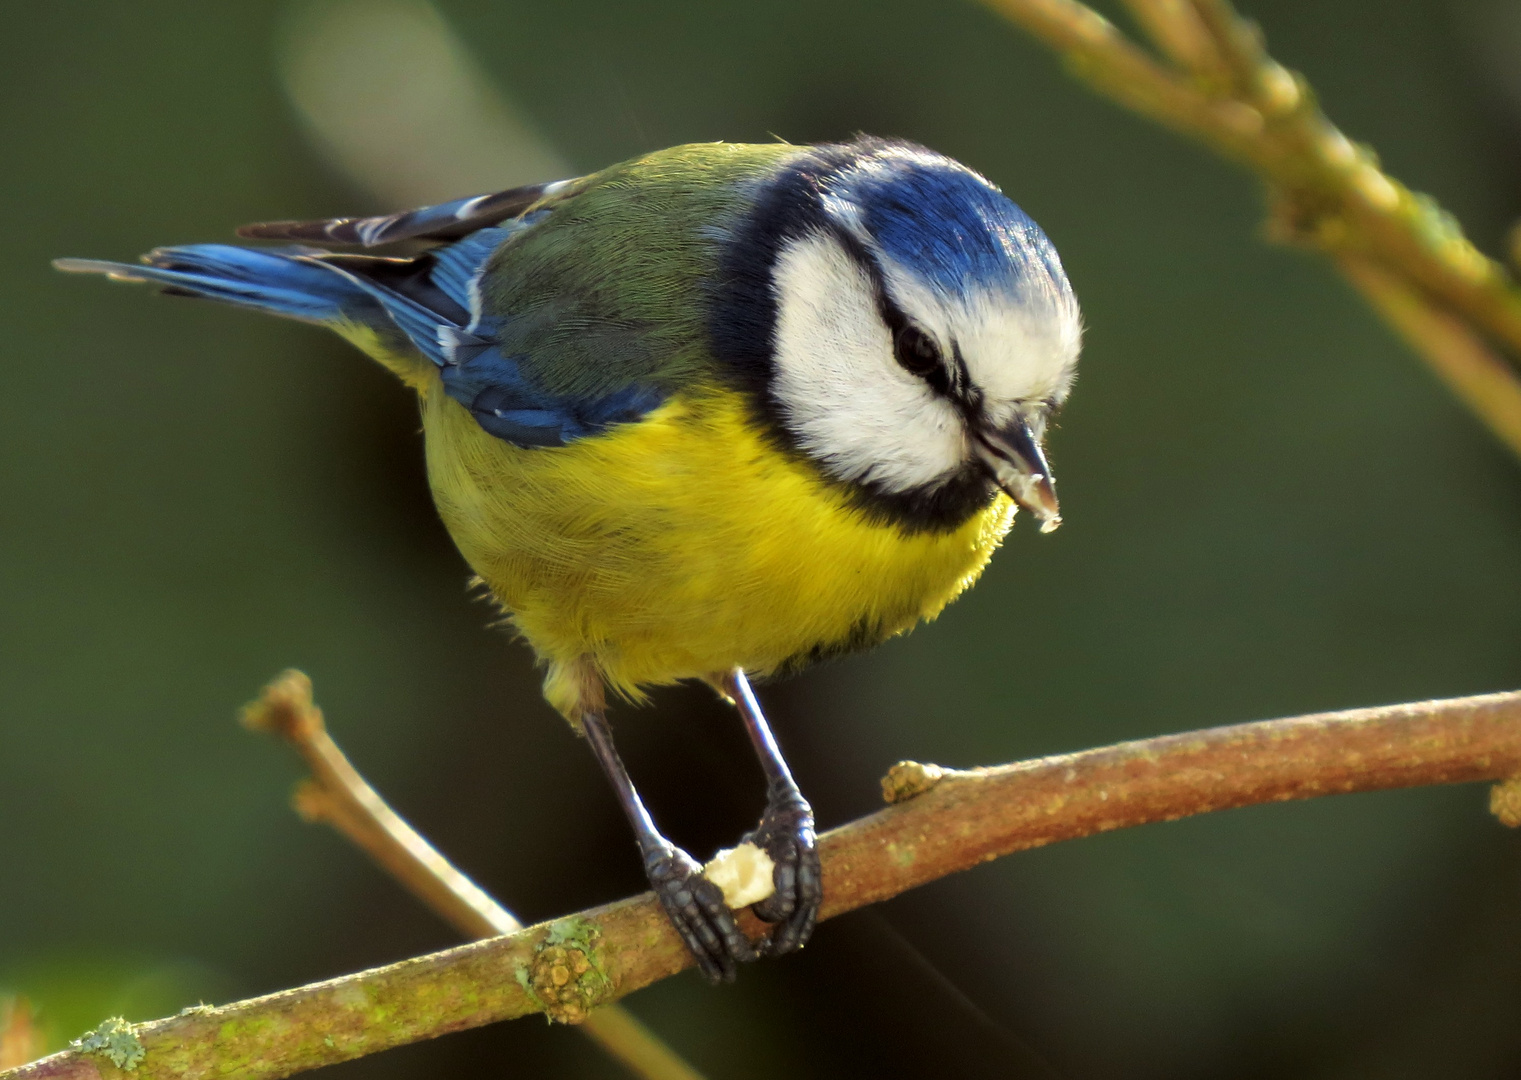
(444,221)
(327,229)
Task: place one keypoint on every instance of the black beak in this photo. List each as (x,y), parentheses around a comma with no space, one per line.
(1014,457)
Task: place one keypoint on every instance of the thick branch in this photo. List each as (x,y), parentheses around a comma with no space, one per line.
(950,821)
(1327,193)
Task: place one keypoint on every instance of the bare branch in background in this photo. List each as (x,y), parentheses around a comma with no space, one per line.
(20,1041)
(337,795)
(1460,310)
(948,820)
(395,100)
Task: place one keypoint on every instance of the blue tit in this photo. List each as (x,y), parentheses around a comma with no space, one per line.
(716,412)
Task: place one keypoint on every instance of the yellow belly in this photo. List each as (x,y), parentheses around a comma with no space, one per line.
(683,545)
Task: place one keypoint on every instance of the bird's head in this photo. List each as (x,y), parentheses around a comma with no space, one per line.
(905,326)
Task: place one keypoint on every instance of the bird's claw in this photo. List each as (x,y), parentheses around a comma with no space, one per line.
(786,834)
(697,910)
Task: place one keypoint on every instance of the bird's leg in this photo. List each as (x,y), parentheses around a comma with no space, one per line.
(785,832)
(694,904)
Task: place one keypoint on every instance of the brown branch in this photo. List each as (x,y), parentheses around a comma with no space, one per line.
(1222,88)
(947,821)
(339,796)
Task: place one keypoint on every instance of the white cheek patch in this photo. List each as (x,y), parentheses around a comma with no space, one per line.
(847,401)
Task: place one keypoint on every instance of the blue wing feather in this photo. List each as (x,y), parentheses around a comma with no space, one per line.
(429,304)
(457,267)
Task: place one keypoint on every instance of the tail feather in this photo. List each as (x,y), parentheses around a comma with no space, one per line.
(292,282)
(277,282)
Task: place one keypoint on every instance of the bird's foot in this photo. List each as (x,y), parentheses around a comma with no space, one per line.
(696,908)
(786,834)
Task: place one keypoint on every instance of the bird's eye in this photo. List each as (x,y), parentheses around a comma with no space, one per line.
(915,351)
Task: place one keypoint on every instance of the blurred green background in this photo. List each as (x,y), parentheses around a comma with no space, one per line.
(1271,508)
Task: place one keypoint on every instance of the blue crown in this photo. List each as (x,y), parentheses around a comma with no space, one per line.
(939,219)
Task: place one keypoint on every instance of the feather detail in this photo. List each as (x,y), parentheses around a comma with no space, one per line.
(445,221)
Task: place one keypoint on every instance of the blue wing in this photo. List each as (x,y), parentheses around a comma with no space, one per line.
(427,305)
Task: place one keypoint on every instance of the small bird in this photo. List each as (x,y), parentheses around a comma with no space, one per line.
(714,413)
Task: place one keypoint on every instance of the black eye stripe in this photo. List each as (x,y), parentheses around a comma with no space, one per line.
(915,351)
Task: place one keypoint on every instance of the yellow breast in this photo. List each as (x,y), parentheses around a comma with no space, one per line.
(683,545)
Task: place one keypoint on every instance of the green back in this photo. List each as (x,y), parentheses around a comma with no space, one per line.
(608,290)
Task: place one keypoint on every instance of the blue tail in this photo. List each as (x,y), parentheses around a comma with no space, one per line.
(284,282)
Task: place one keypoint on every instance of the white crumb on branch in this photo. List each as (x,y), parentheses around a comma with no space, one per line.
(743,873)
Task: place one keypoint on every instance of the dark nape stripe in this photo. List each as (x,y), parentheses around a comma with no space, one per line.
(742,330)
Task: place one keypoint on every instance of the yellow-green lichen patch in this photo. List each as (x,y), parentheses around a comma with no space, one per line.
(115,1041)
(1505,802)
(567,978)
(908,779)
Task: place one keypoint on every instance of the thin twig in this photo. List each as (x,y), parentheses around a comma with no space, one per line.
(20,1041)
(1470,368)
(950,820)
(1180,34)
(1325,192)
(337,795)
